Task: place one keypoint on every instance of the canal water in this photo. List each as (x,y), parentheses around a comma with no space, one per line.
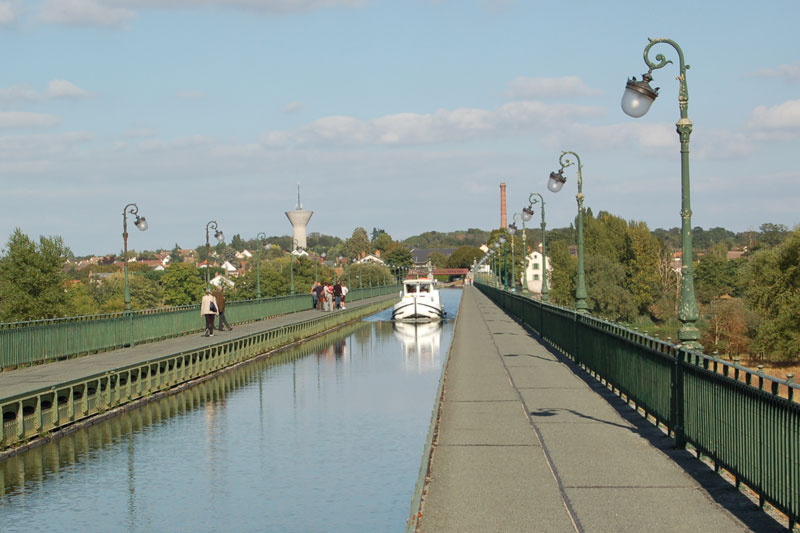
(327,436)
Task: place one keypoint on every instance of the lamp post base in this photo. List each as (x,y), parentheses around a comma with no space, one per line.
(688,337)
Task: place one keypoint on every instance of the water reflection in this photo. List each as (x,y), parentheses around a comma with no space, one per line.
(324,437)
(420,343)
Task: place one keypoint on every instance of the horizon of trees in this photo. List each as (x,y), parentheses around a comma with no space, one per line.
(747,304)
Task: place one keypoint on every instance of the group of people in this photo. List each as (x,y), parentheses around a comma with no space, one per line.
(212,305)
(328,297)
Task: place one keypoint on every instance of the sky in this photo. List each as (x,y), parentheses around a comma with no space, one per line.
(402,115)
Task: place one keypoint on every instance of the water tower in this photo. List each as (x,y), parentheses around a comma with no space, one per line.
(299,219)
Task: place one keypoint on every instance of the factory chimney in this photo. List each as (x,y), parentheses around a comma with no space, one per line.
(503,219)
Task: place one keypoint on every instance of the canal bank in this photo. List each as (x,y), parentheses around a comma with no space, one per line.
(522,440)
(36,403)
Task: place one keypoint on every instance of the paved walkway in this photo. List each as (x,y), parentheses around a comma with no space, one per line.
(32,378)
(525,443)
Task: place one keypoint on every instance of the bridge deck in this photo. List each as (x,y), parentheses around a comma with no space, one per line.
(24,380)
(526,443)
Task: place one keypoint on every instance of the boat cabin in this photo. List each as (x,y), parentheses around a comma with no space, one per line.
(417,286)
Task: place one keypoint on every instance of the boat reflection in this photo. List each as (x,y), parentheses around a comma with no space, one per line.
(420,343)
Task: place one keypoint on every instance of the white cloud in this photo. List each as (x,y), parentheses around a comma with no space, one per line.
(788,73)
(785,116)
(84,13)
(293,107)
(17,93)
(55,89)
(23,120)
(65,89)
(653,138)
(440,126)
(10,10)
(565,87)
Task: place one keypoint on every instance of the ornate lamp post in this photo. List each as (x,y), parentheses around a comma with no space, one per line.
(291,266)
(636,102)
(220,238)
(322,260)
(526,215)
(497,263)
(502,240)
(557,180)
(512,229)
(340,260)
(261,237)
(529,211)
(140,223)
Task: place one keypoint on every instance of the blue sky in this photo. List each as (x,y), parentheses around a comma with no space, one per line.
(402,115)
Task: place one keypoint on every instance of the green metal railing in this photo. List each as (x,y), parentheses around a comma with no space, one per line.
(38,412)
(746,422)
(40,341)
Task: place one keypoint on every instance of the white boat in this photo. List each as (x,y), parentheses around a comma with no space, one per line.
(419,302)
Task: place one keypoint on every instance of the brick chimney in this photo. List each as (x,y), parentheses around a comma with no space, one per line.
(503,219)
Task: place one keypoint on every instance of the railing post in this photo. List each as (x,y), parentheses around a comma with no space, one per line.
(676,399)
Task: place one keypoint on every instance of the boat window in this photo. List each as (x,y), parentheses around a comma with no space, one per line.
(411,288)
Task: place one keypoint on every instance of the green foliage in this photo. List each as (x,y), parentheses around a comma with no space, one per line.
(464,256)
(145,293)
(435,239)
(562,278)
(772,281)
(31,279)
(399,256)
(175,256)
(183,284)
(237,243)
(438,259)
(714,277)
(607,294)
(382,242)
(357,245)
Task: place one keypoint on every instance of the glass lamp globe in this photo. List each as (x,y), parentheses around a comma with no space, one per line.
(141,223)
(512,229)
(527,214)
(557,180)
(638,96)
(219,236)
(501,240)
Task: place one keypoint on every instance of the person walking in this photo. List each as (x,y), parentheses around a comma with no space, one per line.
(314,294)
(337,294)
(208,310)
(345,290)
(319,290)
(328,298)
(220,298)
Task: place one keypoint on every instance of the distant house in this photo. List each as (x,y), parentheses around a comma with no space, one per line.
(155,264)
(230,269)
(98,278)
(535,272)
(220,280)
(244,254)
(371,258)
(421,255)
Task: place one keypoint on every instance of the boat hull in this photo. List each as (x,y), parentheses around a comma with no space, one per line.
(417,311)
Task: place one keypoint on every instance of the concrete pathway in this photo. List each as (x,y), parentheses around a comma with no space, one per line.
(527,442)
(15,382)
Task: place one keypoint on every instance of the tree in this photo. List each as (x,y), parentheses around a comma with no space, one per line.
(358,244)
(237,243)
(145,293)
(438,259)
(31,279)
(382,242)
(175,256)
(727,327)
(562,287)
(641,264)
(376,232)
(400,256)
(464,256)
(772,281)
(772,234)
(183,284)
(607,295)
